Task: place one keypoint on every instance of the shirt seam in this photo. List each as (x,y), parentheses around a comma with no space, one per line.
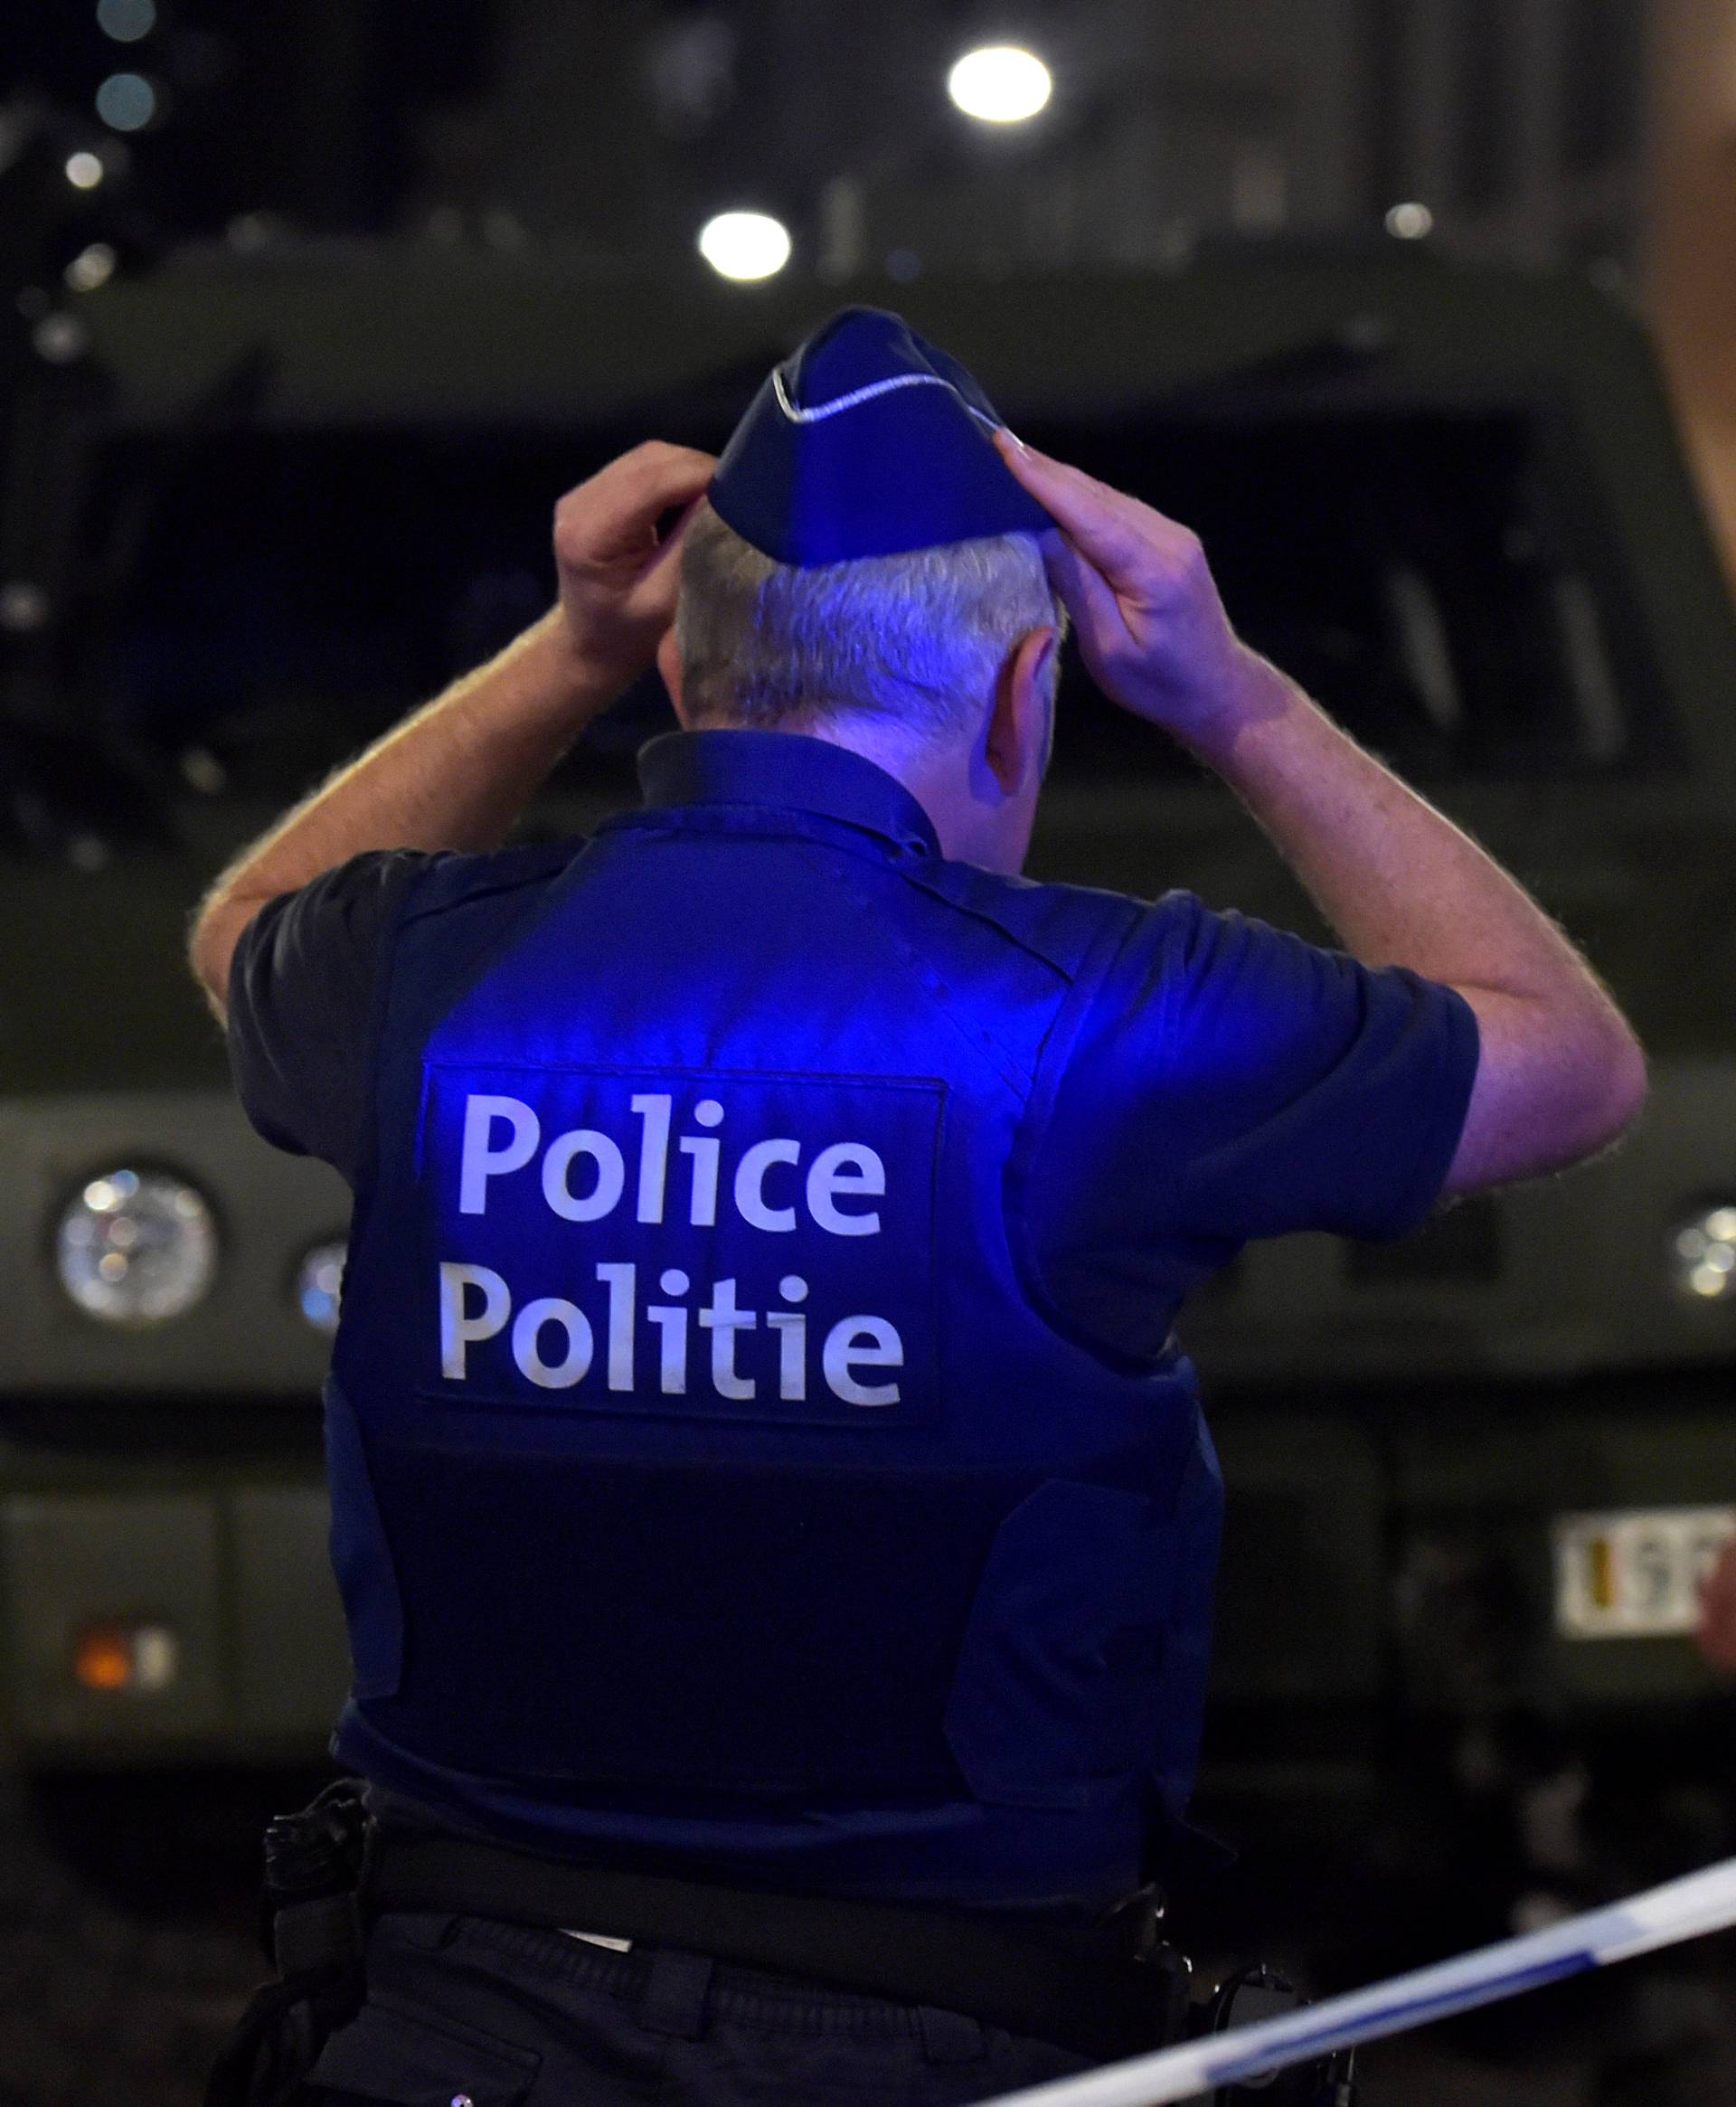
(990,1050)
(1053,1060)
(490,888)
(925,882)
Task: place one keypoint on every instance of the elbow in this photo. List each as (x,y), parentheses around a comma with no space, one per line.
(201,951)
(1634,1080)
(1617,1085)
(217,931)
(211,947)
(1557,1084)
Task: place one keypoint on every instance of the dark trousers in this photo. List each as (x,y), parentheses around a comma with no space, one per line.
(463,2010)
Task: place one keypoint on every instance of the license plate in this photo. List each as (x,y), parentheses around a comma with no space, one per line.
(1636,1573)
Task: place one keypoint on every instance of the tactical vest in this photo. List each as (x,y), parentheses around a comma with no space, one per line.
(709,1468)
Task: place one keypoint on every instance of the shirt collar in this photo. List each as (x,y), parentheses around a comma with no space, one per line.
(787,769)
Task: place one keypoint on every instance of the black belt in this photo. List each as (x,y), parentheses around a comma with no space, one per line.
(1083,1991)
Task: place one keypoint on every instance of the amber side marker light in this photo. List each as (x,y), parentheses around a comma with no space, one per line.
(140,1657)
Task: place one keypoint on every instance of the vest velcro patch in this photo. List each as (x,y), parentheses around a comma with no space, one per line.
(719,1246)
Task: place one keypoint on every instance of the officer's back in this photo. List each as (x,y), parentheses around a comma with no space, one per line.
(794,1488)
(760,1455)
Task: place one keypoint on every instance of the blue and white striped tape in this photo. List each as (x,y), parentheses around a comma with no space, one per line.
(1663,1916)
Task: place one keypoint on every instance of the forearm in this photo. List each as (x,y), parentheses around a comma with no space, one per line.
(1561,1074)
(1398,882)
(1558,1074)
(454,775)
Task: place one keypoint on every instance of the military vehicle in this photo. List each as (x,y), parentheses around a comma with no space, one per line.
(256,506)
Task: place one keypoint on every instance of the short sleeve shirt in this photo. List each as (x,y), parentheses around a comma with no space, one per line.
(1225,1082)
(1230,1081)
(304,986)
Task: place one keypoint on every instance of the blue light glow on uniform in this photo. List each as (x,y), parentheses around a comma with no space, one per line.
(786,1225)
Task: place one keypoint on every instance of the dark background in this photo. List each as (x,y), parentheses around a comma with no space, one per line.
(617,126)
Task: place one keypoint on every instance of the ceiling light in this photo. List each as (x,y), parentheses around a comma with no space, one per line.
(745,245)
(1001,84)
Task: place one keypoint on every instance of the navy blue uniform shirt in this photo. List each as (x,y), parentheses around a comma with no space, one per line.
(1208,1080)
(1252,1083)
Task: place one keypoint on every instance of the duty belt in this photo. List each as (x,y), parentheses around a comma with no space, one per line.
(1105,1990)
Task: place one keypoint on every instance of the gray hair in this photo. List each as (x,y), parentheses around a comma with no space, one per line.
(916,639)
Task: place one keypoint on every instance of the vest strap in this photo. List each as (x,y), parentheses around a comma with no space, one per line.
(1080,1990)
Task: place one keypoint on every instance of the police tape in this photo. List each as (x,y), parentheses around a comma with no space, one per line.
(1662,1916)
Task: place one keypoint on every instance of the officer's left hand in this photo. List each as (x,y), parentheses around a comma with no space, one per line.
(618,578)
(1151,628)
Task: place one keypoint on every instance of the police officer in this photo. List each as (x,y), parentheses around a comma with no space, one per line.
(773,1516)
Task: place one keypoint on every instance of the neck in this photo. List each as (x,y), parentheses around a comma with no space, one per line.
(929,772)
(947,778)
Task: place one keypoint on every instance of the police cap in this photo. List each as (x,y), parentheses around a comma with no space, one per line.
(867,442)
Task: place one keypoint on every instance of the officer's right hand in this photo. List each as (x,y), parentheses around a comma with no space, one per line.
(618,578)
(1151,628)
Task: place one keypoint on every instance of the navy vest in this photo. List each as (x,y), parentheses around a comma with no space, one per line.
(716,1486)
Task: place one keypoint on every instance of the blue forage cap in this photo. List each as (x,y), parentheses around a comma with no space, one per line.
(867,441)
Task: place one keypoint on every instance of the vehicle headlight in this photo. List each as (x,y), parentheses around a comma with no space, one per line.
(319,1285)
(1703,1254)
(136,1247)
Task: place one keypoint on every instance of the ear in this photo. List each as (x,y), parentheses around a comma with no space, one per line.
(669,667)
(1018,724)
